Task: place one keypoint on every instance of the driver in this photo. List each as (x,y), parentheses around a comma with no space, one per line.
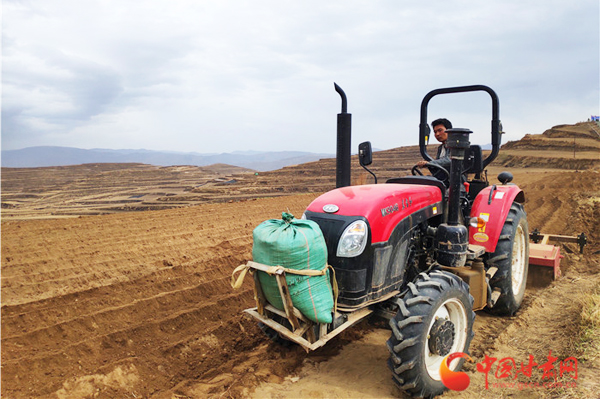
(443,155)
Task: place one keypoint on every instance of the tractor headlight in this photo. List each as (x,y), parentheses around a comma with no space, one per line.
(353,240)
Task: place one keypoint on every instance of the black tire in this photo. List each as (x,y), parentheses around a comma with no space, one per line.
(435,318)
(512,260)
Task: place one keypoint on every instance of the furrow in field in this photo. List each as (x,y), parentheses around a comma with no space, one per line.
(152,341)
(62,308)
(114,318)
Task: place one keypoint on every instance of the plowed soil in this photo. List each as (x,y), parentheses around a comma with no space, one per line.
(139,304)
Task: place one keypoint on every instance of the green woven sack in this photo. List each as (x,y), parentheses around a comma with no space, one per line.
(295,244)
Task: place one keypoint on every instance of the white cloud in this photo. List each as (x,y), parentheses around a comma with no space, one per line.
(233,75)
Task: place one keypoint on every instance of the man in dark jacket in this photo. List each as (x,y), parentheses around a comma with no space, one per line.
(443,155)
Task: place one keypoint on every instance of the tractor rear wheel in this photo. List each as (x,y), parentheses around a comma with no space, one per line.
(512,260)
(435,319)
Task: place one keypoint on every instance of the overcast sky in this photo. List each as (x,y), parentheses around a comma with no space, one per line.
(223,75)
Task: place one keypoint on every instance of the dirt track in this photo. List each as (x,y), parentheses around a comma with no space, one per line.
(140,305)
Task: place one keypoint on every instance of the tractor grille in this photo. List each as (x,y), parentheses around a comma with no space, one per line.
(332,230)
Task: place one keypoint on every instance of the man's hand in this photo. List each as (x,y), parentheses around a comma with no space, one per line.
(421,164)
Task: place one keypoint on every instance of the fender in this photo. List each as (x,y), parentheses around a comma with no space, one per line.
(494,212)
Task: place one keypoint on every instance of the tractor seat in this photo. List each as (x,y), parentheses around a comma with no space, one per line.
(473,162)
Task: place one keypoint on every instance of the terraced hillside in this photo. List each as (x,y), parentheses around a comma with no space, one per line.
(564,146)
(92,189)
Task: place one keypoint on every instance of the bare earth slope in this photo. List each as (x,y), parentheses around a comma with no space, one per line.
(564,146)
(139,304)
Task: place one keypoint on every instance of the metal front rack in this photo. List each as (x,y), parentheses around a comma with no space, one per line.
(307,333)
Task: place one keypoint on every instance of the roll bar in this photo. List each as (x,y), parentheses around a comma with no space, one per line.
(424,130)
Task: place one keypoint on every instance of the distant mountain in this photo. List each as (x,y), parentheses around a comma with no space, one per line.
(62,156)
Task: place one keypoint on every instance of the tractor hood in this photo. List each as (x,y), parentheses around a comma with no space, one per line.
(383,205)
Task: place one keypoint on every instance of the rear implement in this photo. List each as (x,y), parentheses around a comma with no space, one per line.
(545,257)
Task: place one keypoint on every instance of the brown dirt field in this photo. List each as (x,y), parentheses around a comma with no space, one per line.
(139,304)
(144,296)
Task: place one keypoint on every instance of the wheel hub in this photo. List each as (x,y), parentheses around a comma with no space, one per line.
(441,337)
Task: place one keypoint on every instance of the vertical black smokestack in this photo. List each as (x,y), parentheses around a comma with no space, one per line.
(344,133)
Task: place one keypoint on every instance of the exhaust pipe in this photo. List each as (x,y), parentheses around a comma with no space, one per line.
(452,238)
(344,133)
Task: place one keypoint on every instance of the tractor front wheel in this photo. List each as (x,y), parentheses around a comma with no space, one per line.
(435,319)
(512,260)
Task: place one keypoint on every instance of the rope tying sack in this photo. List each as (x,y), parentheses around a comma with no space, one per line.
(273,270)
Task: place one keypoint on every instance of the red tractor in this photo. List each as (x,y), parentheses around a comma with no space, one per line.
(420,251)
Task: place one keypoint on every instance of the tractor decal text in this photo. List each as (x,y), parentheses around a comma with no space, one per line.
(388,210)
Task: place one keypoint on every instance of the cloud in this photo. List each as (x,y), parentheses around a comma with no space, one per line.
(229,75)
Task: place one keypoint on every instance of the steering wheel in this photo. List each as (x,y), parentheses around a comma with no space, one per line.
(415,170)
